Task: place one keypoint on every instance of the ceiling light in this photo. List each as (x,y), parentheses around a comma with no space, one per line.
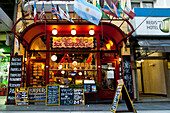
(54,31)
(91,32)
(73,31)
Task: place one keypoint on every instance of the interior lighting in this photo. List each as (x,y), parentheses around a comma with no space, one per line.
(120,59)
(74,63)
(60,67)
(91,32)
(142,60)
(54,31)
(111,43)
(73,31)
(108,46)
(53,57)
(80,73)
(62,72)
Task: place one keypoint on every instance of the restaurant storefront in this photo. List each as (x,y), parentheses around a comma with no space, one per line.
(72,52)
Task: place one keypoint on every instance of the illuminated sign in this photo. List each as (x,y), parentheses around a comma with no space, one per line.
(73,42)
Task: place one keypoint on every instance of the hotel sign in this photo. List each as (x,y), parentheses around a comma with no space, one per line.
(73,42)
(152,26)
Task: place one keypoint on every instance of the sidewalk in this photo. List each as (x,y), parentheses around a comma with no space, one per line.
(102,108)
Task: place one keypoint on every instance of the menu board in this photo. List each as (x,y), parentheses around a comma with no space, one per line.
(37,94)
(53,95)
(127,75)
(15,75)
(66,96)
(89,88)
(116,97)
(79,97)
(21,96)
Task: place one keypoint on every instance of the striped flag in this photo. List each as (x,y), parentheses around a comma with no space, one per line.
(87,11)
(42,13)
(116,11)
(108,10)
(68,14)
(55,12)
(35,12)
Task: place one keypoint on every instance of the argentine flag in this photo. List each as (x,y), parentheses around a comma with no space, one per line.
(87,11)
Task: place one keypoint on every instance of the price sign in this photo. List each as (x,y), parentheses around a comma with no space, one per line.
(79,97)
(66,96)
(53,95)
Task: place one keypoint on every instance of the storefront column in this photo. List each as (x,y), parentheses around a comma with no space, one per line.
(99,77)
(47,60)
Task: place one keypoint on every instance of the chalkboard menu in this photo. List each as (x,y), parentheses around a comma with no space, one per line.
(79,97)
(127,75)
(15,75)
(66,96)
(37,94)
(53,95)
(89,88)
(21,96)
(116,97)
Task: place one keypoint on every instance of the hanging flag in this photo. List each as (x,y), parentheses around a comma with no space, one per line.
(108,10)
(68,14)
(115,10)
(42,13)
(29,10)
(87,11)
(55,12)
(104,15)
(129,13)
(63,14)
(35,12)
(119,7)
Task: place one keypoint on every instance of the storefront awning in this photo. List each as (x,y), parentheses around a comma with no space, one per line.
(157,45)
(105,30)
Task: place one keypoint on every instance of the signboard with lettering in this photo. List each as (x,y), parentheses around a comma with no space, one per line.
(121,90)
(127,75)
(66,96)
(79,97)
(152,26)
(73,42)
(15,77)
(53,95)
(116,97)
(37,94)
(21,96)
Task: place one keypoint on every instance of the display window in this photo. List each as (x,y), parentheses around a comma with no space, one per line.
(74,66)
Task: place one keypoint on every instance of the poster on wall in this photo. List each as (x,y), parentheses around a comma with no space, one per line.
(127,75)
(15,77)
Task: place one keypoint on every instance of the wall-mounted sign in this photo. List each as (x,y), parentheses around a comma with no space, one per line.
(152,26)
(72,42)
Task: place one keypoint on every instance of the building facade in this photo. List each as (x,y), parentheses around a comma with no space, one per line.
(150,47)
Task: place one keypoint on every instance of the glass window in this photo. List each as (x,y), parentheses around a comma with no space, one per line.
(147,4)
(108,76)
(135,5)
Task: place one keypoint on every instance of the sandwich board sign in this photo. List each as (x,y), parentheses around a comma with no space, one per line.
(121,89)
